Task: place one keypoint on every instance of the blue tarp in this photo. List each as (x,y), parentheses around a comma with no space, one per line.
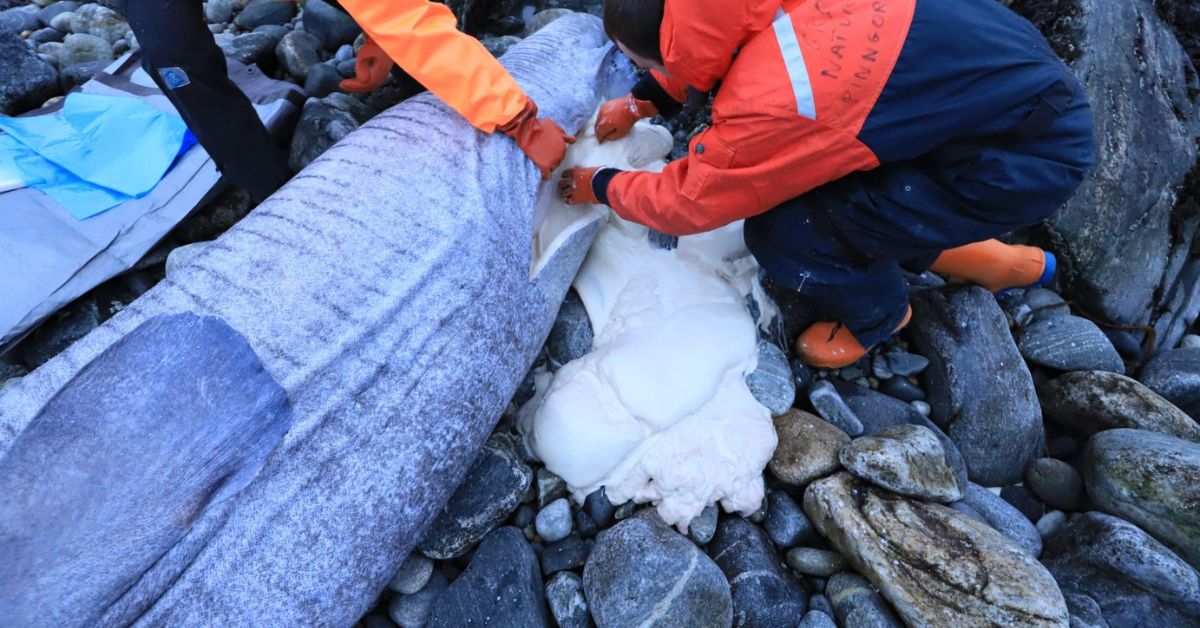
(96,152)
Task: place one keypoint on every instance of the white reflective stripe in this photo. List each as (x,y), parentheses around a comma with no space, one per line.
(793,59)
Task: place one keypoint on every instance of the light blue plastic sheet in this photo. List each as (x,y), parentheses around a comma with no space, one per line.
(96,152)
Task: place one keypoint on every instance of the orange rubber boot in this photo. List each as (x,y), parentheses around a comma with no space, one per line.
(829,345)
(996,265)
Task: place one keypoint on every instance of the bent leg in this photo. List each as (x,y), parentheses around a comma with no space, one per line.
(179,53)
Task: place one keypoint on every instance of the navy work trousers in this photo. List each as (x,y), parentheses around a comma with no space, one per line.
(843,245)
(179,53)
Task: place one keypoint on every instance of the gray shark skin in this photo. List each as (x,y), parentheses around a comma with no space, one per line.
(118,465)
(387,289)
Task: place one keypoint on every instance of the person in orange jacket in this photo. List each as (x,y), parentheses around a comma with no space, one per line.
(856,138)
(179,52)
(422,37)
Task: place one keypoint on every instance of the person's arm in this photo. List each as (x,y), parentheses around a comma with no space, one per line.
(654,94)
(422,37)
(733,171)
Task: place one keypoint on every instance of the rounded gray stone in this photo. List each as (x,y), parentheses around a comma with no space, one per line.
(1055,482)
(771,381)
(1004,518)
(1069,343)
(815,562)
(553,522)
(1175,375)
(564,594)
(1087,402)
(906,459)
(830,405)
(413,574)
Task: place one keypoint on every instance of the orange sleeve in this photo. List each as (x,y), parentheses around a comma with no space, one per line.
(422,37)
(734,170)
(699,38)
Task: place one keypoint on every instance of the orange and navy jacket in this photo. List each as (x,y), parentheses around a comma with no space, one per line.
(422,37)
(813,90)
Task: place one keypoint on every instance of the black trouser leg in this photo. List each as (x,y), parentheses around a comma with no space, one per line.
(179,52)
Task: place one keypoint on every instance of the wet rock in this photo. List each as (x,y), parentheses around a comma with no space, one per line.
(815,562)
(818,602)
(542,18)
(816,619)
(764,594)
(571,335)
(51,11)
(502,586)
(934,565)
(322,79)
(499,45)
(62,21)
(1055,482)
(1151,480)
(219,11)
(1087,402)
(1175,375)
(1004,518)
(808,448)
(975,375)
(598,507)
(1132,578)
(412,611)
(905,459)
(100,21)
(878,412)
(1069,343)
(585,525)
(297,52)
(786,524)
(554,521)
(19,19)
(906,364)
(569,553)
(66,326)
(330,26)
(771,382)
(263,12)
(902,389)
(413,574)
(830,405)
(564,594)
(489,494)
(83,48)
(1024,500)
(1050,524)
(25,80)
(857,603)
(644,573)
(321,125)
(702,528)
(43,35)
(252,48)
(1123,241)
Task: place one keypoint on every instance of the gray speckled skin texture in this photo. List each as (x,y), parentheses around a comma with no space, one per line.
(387,289)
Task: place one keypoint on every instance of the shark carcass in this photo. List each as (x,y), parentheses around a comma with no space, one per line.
(380,308)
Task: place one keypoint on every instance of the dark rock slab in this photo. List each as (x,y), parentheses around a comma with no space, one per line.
(1024,500)
(764,593)
(1132,578)
(857,603)
(322,123)
(322,79)
(1151,480)
(117,466)
(1056,483)
(1087,402)
(1124,239)
(501,587)
(598,507)
(786,524)
(490,493)
(1069,343)
(569,553)
(253,48)
(329,25)
(1175,375)
(1004,518)
(263,12)
(827,401)
(571,336)
(771,381)
(298,52)
(644,573)
(564,594)
(25,80)
(975,376)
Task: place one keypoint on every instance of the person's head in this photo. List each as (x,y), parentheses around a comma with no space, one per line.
(634,25)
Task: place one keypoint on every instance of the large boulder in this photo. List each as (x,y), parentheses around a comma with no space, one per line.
(642,573)
(1125,239)
(1132,579)
(936,566)
(25,80)
(1175,375)
(1093,401)
(980,391)
(1150,479)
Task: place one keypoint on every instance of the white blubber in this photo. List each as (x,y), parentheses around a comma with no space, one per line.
(659,410)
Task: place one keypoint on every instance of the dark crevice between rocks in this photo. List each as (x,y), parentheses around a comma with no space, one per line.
(1060,21)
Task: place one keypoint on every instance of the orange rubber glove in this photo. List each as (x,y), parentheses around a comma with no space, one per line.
(371,68)
(575,186)
(618,116)
(541,139)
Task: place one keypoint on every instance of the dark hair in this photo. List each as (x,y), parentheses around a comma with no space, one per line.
(635,23)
